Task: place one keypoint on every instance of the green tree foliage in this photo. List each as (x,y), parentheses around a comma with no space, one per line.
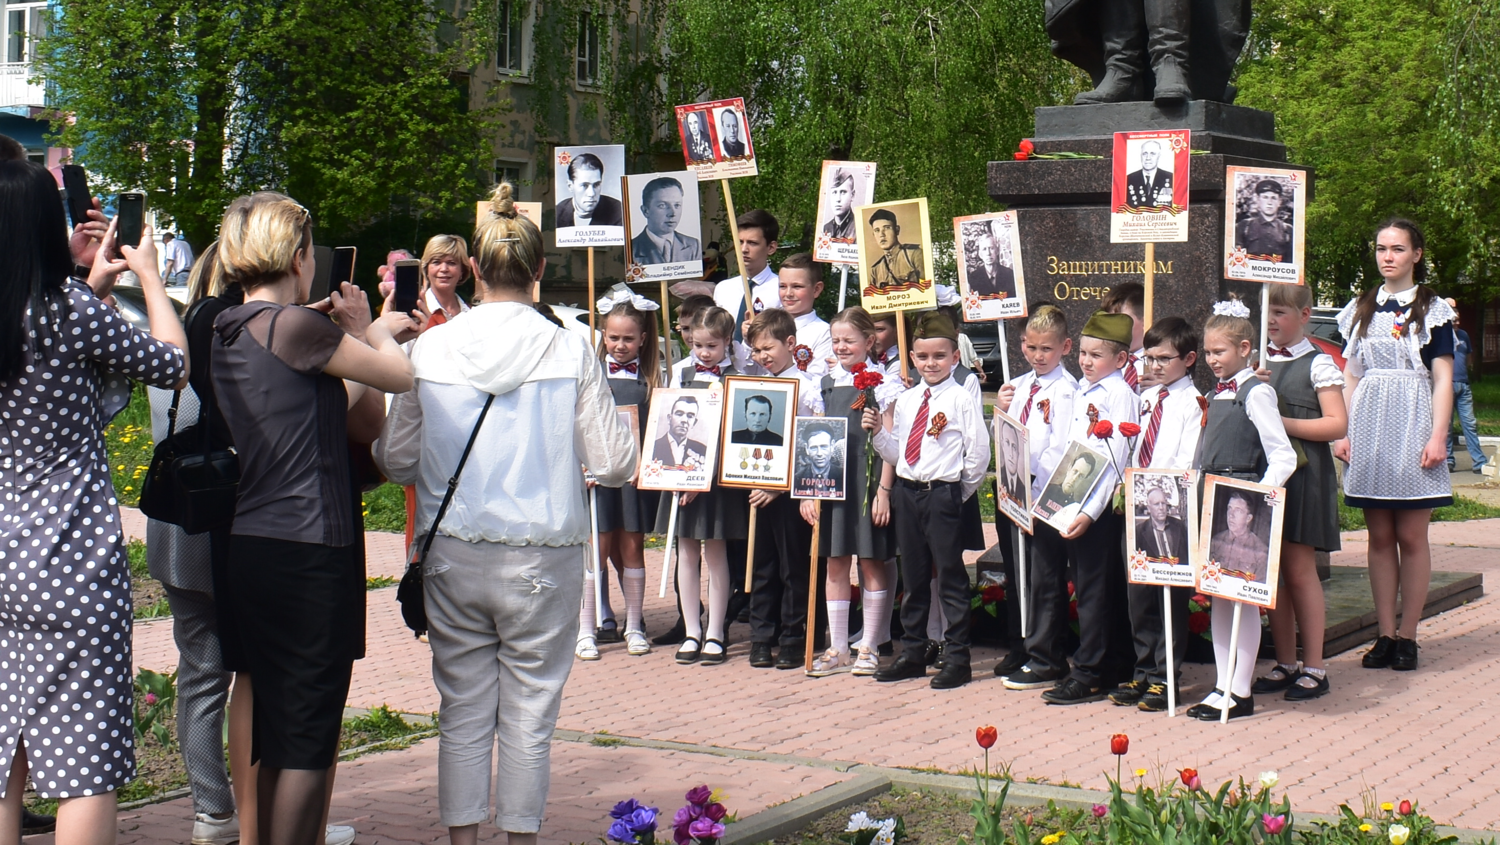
(1468,120)
(358,110)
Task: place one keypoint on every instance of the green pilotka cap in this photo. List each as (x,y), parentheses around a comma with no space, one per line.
(1113,327)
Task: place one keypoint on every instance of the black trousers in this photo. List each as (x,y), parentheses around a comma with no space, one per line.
(783,551)
(1047,557)
(1148,630)
(1007,531)
(928,531)
(1104,653)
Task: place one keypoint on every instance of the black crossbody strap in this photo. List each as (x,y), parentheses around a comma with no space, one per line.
(172,414)
(452,484)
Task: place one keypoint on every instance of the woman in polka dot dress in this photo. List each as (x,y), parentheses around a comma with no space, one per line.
(66,704)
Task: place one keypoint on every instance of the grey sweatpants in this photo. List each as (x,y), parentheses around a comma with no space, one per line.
(502,621)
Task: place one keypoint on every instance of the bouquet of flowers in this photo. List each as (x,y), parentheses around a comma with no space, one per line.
(634,824)
(702,820)
(865,381)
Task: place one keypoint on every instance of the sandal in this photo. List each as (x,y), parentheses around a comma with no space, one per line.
(866,663)
(714,658)
(831,662)
(636,643)
(586,649)
(690,650)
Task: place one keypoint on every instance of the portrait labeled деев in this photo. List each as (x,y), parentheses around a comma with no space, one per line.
(895,256)
(587,195)
(1161,526)
(991,285)
(757,432)
(1013,470)
(1264,225)
(1240,543)
(716,139)
(1070,485)
(844,186)
(682,440)
(663,225)
(818,456)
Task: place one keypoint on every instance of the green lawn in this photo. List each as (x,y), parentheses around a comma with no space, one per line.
(1487,405)
(1462,509)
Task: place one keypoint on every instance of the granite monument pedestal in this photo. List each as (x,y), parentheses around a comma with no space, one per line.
(1063,207)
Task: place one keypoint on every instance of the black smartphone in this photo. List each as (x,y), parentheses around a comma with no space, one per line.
(76,189)
(130,210)
(322,272)
(343,266)
(408,284)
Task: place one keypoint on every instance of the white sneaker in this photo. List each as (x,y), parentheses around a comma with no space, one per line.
(338,834)
(208,830)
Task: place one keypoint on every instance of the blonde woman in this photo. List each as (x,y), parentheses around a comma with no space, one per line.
(285,378)
(504,576)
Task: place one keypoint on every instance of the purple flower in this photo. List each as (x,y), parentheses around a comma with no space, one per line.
(715,811)
(680,835)
(643,820)
(620,832)
(706,829)
(1100,811)
(624,808)
(699,795)
(686,815)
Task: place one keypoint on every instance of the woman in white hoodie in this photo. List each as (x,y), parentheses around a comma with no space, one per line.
(505,573)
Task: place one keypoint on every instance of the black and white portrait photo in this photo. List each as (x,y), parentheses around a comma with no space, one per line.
(1264,226)
(587,194)
(1013,470)
(716,139)
(989,274)
(734,142)
(697,140)
(818,457)
(662,220)
(1162,526)
(844,186)
(1070,485)
(758,417)
(1241,540)
(1149,186)
(682,440)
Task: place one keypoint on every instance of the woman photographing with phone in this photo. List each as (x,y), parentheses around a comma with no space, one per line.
(504,576)
(285,378)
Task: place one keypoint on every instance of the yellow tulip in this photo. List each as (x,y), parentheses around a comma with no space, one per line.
(1398,834)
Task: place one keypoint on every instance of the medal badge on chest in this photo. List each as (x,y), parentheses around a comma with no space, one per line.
(802,354)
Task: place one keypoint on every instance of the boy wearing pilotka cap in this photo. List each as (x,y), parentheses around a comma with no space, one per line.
(935,436)
(1093,538)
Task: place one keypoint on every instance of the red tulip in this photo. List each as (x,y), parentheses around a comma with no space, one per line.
(1103,429)
(1187,775)
(1021,156)
(1405,807)
(1119,744)
(986,736)
(1129,429)
(1027,147)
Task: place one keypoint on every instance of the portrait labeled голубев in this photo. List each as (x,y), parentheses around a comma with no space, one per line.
(663,225)
(757,432)
(818,457)
(844,186)
(1264,224)
(586,180)
(1070,485)
(991,285)
(682,439)
(1239,546)
(895,256)
(1161,526)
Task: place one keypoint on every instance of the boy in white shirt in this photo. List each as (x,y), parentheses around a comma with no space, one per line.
(801,282)
(758,232)
(935,437)
(1129,298)
(1171,420)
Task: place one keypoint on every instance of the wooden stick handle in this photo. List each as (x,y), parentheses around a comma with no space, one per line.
(1150,282)
(734,249)
(666,329)
(901,342)
(666,560)
(1166,614)
(812,592)
(750,551)
(590,303)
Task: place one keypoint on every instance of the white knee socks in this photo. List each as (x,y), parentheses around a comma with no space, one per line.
(1246,649)
(609,612)
(633,584)
(877,615)
(588,608)
(716,560)
(692,557)
(838,625)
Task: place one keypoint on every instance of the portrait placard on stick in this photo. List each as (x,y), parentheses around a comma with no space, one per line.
(1240,545)
(844,185)
(1265,214)
(990,281)
(818,457)
(1149,192)
(590,205)
(1161,526)
(663,226)
(1070,485)
(757,432)
(1013,470)
(716,139)
(895,256)
(683,439)
(530,210)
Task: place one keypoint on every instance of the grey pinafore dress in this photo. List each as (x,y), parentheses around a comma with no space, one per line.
(1312,507)
(626,507)
(846,530)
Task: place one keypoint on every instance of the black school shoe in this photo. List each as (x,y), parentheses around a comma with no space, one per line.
(1278,680)
(1298,692)
(1379,656)
(760,656)
(1072,691)
(609,632)
(953,676)
(1241,707)
(904,668)
(932,652)
(1013,662)
(1405,659)
(791,655)
(34,823)
(1128,695)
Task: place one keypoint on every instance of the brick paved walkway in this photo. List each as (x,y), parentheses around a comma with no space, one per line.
(1422,735)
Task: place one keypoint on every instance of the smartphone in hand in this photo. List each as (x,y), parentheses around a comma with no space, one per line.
(130,209)
(408,284)
(76,190)
(343,266)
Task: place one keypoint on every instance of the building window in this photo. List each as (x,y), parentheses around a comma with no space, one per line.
(24,24)
(509,171)
(509,44)
(588,49)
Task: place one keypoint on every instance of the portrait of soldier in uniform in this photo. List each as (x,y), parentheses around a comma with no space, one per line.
(699,147)
(1238,550)
(840,223)
(899,263)
(1264,234)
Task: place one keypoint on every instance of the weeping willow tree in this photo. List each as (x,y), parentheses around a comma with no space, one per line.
(1468,120)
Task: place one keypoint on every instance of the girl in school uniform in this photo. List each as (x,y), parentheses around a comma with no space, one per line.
(1398,384)
(706,521)
(1243,438)
(849,529)
(629,352)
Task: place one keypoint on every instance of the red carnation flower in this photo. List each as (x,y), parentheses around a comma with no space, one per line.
(1129,429)
(1199,622)
(1103,429)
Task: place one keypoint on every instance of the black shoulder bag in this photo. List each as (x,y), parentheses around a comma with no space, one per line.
(410,594)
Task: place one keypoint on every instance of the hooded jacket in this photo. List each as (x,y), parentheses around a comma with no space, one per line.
(553,416)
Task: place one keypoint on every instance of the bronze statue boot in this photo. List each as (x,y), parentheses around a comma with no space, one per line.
(1172,85)
(1116,87)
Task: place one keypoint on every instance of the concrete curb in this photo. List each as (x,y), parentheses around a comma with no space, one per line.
(797,813)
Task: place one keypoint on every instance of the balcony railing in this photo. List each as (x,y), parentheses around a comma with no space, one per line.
(16,87)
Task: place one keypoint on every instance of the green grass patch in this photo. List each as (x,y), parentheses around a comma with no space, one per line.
(1462,510)
(385,727)
(1487,405)
(128,441)
(380,582)
(385,509)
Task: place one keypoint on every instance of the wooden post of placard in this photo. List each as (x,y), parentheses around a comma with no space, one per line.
(666,559)
(750,551)
(1150,283)
(1166,613)
(1234,648)
(666,327)
(590,303)
(901,344)
(594,551)
(812,589)
(734,247)
(1265,325)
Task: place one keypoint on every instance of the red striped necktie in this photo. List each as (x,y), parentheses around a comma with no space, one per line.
(918,431)
(1153,428)
(1026,409)
(1132,377)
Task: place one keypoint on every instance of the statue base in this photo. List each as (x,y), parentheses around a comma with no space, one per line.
(1063,209)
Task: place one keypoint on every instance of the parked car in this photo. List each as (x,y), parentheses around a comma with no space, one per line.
(1323,331)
